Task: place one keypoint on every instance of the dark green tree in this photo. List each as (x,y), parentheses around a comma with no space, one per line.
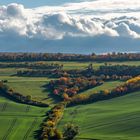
(70,131)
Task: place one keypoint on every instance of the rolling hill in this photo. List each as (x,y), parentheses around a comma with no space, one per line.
(115,119)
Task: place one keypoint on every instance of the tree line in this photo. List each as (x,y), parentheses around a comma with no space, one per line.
(18,97)
(69,87)
(14,57)
(33,65)
(129,86)
(49,131)
(104,71)
(57,73)
(119,70)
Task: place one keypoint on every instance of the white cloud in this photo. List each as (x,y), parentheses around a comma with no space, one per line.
(48,24)
(124,31)
(110,18)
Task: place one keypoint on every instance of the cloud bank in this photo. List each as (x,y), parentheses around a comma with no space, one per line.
(64,27)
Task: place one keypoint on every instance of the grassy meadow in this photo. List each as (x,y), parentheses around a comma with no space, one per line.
(114,119)
(73,65)
(19,121)
(106,85)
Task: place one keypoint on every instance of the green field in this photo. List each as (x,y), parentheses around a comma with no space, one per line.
(106,85)
(26,85)
(115,119)
(77,65)
(33,86)
(96,65)
(19,121)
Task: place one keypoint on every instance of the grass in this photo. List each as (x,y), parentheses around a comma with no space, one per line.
(19,121)
(76,65)
(27,85)
(7,71)
(106,85)
(115,119)
(96,65)
(32,87)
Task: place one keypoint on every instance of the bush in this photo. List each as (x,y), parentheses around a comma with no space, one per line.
(70,131)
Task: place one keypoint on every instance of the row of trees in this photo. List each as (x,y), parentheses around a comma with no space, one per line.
(18,97)
(48,127)
(41,73)
(49,130)
(119,70)
(68,87)
(106,72)
(33,65)
(57,73)
(128,87)
(68,57)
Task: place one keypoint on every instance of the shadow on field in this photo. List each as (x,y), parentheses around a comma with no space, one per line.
(56,99)
(37,133)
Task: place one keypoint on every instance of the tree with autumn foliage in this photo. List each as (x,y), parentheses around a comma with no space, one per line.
(129,86)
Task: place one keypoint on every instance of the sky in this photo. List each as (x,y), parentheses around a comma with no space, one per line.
(70,26)
(36,3)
